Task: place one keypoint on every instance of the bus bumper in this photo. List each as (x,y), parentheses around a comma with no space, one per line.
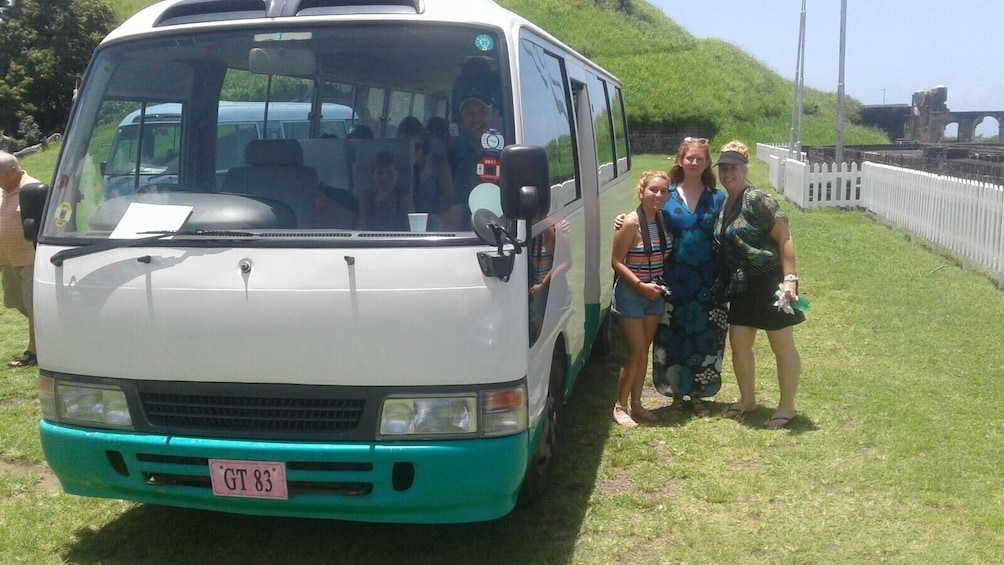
(408,482)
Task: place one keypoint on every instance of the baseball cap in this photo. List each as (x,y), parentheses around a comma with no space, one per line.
(480,92)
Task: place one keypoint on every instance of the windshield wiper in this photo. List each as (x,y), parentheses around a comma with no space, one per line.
(59,257)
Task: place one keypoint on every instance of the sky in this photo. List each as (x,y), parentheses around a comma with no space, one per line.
(893,48)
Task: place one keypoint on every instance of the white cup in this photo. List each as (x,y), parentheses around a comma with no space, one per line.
(418,221)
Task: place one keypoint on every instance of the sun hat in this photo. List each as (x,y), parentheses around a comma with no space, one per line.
(731,158)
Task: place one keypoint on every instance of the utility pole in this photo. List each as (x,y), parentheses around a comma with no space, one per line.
(840,84)
(795,135)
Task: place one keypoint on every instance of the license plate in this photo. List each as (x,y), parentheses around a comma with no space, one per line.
(248,479)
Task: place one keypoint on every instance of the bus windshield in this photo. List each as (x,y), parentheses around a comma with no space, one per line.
(134,163)
(362,130)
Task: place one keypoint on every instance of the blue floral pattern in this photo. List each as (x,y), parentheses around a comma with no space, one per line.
(690,342)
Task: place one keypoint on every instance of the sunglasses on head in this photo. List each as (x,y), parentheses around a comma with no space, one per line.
(697,140)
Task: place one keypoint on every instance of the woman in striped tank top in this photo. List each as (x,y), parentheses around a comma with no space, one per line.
(640,247)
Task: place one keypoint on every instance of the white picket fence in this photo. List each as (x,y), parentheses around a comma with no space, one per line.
(815,185)
(966,217)
(822,184)
(963,216)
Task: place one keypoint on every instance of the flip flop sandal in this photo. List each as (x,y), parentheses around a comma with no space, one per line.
(26,359)
(779,422)
(622,418)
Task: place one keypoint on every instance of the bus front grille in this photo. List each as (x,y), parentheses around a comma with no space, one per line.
(252,413)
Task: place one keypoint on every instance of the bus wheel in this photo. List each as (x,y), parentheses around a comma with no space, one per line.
(538,472)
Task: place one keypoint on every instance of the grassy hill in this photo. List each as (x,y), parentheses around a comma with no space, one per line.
(673,79)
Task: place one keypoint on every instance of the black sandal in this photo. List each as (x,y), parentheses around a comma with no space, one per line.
(26,359)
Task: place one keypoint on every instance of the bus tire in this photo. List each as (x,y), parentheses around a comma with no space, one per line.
(541,466)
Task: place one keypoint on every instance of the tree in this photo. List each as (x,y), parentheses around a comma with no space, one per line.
(45,46)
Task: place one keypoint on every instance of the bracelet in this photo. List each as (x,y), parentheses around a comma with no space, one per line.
(791,278)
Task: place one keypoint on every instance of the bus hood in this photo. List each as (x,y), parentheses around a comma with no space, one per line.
(375,316)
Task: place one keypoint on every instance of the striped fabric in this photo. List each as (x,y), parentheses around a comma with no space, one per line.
(644,267)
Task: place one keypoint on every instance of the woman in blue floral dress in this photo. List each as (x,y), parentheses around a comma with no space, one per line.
(690,341)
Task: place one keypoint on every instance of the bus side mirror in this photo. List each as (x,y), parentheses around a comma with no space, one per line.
(525,182)
(32,201)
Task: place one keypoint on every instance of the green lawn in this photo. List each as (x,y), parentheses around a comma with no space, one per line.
(896,455)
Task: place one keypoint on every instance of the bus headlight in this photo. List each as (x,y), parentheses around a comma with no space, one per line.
(103,406)
(449,415)
(502,412)
(96,405)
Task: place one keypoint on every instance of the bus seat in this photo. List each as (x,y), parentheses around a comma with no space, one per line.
(275,170)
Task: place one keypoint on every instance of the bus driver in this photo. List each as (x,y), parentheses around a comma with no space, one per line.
(476,108)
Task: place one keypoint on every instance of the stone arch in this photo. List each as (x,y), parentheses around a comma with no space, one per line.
(988,127)
(951,131)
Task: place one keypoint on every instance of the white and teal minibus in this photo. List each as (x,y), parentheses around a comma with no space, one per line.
(230,344)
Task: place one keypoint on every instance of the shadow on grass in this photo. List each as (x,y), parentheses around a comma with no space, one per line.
(545,533)
(670,418)
(757,418)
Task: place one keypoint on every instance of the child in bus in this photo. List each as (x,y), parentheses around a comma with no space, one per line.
(640,248)
(433,183)
(386,205)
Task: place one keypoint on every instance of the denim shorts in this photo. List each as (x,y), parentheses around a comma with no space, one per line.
(630,305)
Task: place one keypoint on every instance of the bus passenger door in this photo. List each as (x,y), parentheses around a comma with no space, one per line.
(589,185)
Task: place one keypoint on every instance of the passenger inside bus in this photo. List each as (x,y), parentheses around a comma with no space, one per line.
(386,203)
(432,182)
(438,130)
(477,96)
(337,208)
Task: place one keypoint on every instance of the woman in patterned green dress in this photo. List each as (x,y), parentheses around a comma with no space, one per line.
(758,271)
